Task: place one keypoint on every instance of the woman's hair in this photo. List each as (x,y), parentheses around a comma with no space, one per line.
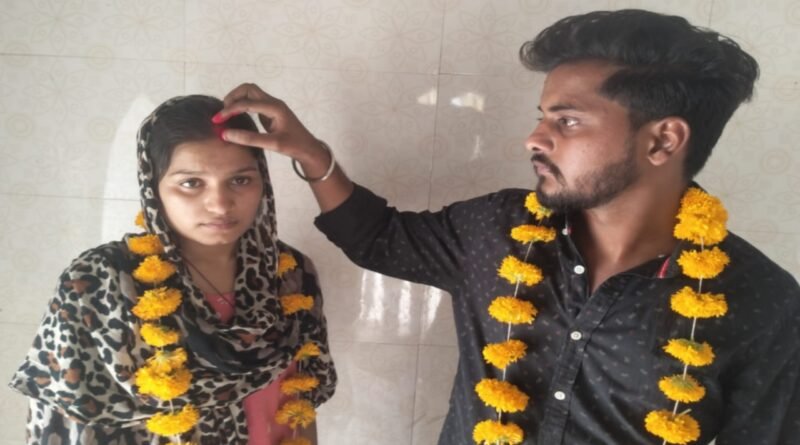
(667,67)
(188,120)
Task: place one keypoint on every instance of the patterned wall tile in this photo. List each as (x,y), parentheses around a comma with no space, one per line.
(375,35)
(146,29)
(69,124)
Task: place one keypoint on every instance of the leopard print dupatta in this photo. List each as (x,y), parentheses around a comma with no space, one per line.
(79,372)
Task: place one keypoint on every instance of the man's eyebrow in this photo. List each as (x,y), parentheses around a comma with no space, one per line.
(567,106)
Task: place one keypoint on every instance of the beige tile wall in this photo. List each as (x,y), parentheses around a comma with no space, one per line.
(423,100)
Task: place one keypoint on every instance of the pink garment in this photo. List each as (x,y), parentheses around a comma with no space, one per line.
(261,406)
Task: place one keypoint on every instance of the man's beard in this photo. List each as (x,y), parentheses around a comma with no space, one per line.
(591,189)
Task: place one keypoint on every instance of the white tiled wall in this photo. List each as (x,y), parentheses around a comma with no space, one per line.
(424,101)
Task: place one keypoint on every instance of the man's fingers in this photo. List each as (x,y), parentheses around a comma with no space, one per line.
(268,108)
(250,139)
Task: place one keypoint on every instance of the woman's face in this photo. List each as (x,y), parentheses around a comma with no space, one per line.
(211,192)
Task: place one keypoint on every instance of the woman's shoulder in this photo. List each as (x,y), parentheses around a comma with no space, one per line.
(98,264)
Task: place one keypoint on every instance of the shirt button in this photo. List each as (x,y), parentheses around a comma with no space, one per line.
(559,395)
(565,231)
(575,335)
(579,269)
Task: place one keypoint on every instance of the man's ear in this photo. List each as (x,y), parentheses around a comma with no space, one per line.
(668,139)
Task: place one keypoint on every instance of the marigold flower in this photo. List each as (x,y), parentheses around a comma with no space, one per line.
(164,385)
(296,302)
(502,396)
(691,304)
(514,270)
(286,262)
(157,303)
(159,336)
(528,233)
(153,270)
(308,350)
(512,310)
(492,432)
(679,429)
(298,383)
(703,263)
(296,413)
(682,389)
(503,354)
(533,206)
(166,361)
(690,352)
(139,220)
(701,218)
(296,441)
(172,424)
(145,245)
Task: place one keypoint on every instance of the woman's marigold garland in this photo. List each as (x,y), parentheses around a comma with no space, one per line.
(295,303)
(296,413)
(501,395)
(702,221)
(164,375)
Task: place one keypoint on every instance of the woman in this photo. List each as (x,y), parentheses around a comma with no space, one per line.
(196,331)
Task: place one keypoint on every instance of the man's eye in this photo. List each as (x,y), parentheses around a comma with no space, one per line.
(568,121)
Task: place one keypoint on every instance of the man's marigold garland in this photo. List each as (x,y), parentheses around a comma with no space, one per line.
(702,221)
(501,395)
(165,375)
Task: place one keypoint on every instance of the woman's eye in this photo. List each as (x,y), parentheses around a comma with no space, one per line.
(190,183)
(241,180)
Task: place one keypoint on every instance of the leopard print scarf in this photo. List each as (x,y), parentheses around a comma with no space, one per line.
(79,372)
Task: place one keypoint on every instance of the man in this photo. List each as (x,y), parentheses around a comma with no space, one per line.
(631,107)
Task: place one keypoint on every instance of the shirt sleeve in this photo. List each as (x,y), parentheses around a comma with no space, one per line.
(763,394)
(423,247)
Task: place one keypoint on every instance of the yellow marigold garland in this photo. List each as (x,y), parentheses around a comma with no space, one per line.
(164,385)
(166,361)
(512,310)
(685,389)
(139,220)
(157,303)
(500,355)
(308,350)
(296,302)
(159,336)
(175,423)
(691,304)
(153,270)
(501,395)
(678,428)
(491,432)
(701,220)
(145,245)
(286,262)
(529,233)
(298,383)
(296,413)
(690,352)
(514,270)
(703,264)
(164,375)
(536,208)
